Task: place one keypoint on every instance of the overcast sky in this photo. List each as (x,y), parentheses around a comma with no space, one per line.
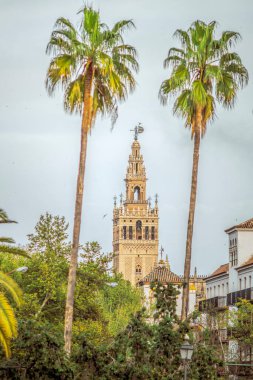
(39,143)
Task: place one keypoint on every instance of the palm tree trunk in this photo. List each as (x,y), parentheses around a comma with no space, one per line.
(78,213)
(187,263)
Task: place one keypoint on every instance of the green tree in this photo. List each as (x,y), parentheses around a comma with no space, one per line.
(94,66)
(204,363)
(204,72)
(37,354)
(50,235)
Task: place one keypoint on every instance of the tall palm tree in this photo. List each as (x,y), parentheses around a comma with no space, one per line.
(8,322)
(204,72)
(95,68)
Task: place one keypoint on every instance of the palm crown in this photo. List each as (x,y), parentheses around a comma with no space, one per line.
(204,71)
(93,50)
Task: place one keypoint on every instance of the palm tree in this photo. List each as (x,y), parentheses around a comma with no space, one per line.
(204,72)
(8,322)
(95,68)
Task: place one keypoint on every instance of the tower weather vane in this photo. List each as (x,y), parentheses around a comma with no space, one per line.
(137,130)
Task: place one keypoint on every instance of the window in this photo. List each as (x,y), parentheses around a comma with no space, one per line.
(137,193)
(207,292)
(146,233)
(250,281)
(136,168)
(245,282)
(124,233)
(214,291)
(210,292)
(240,286)
(130,232)
(218,290)
(138,269)
(138,230)
(152,233)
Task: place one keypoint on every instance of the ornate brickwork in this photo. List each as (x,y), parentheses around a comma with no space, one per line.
(135,223)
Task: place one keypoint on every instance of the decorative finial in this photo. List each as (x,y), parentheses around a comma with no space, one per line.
(121,198)
(156,199)
(115,200)
(149,201)
(137,130)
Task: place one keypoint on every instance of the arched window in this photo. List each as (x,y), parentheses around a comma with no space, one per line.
(152,233)
(130,232)
(138,269)
(124,233)
(138,230)
(137,193)
(146,233)
(136,168)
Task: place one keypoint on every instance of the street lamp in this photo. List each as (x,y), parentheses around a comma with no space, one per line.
(186,351)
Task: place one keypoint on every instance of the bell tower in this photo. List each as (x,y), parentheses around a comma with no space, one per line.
(135,222)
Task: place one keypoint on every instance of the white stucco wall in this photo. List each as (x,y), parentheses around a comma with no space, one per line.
(217,286)
(245,278)
(245,245)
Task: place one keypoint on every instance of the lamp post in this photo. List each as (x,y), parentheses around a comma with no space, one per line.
(186,352)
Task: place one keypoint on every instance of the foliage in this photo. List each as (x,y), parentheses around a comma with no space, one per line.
(37,354)
(8,322)
(50,236)
(91,52)
(204,71)
(241,322)
(204,363)
(5,242)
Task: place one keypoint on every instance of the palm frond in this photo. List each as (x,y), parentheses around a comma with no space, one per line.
(11,287)
(13,250)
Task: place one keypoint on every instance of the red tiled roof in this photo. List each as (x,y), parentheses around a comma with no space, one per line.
(246,263)
(221,270)
(244,225)
(161,274)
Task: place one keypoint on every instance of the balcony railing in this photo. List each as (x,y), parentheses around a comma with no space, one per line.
(213,303)
(234,297)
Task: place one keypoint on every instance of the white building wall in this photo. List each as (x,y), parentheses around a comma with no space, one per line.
(244,252)
(245,278)
(245,246)
(217,286)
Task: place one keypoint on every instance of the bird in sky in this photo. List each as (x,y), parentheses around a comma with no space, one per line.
(104,216)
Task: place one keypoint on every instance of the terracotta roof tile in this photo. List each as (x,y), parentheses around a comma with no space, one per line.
(246,263)
(161,274)
(222,269)
(244,225)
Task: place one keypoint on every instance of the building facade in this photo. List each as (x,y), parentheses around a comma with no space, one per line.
(135,223)
(163,274)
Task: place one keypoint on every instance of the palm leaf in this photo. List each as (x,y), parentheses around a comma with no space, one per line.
(11,287)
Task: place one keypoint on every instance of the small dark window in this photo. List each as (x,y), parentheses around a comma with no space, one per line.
(152,233)
(146,233)
(138,230)
(124,233)
(138,269)
(131,232)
